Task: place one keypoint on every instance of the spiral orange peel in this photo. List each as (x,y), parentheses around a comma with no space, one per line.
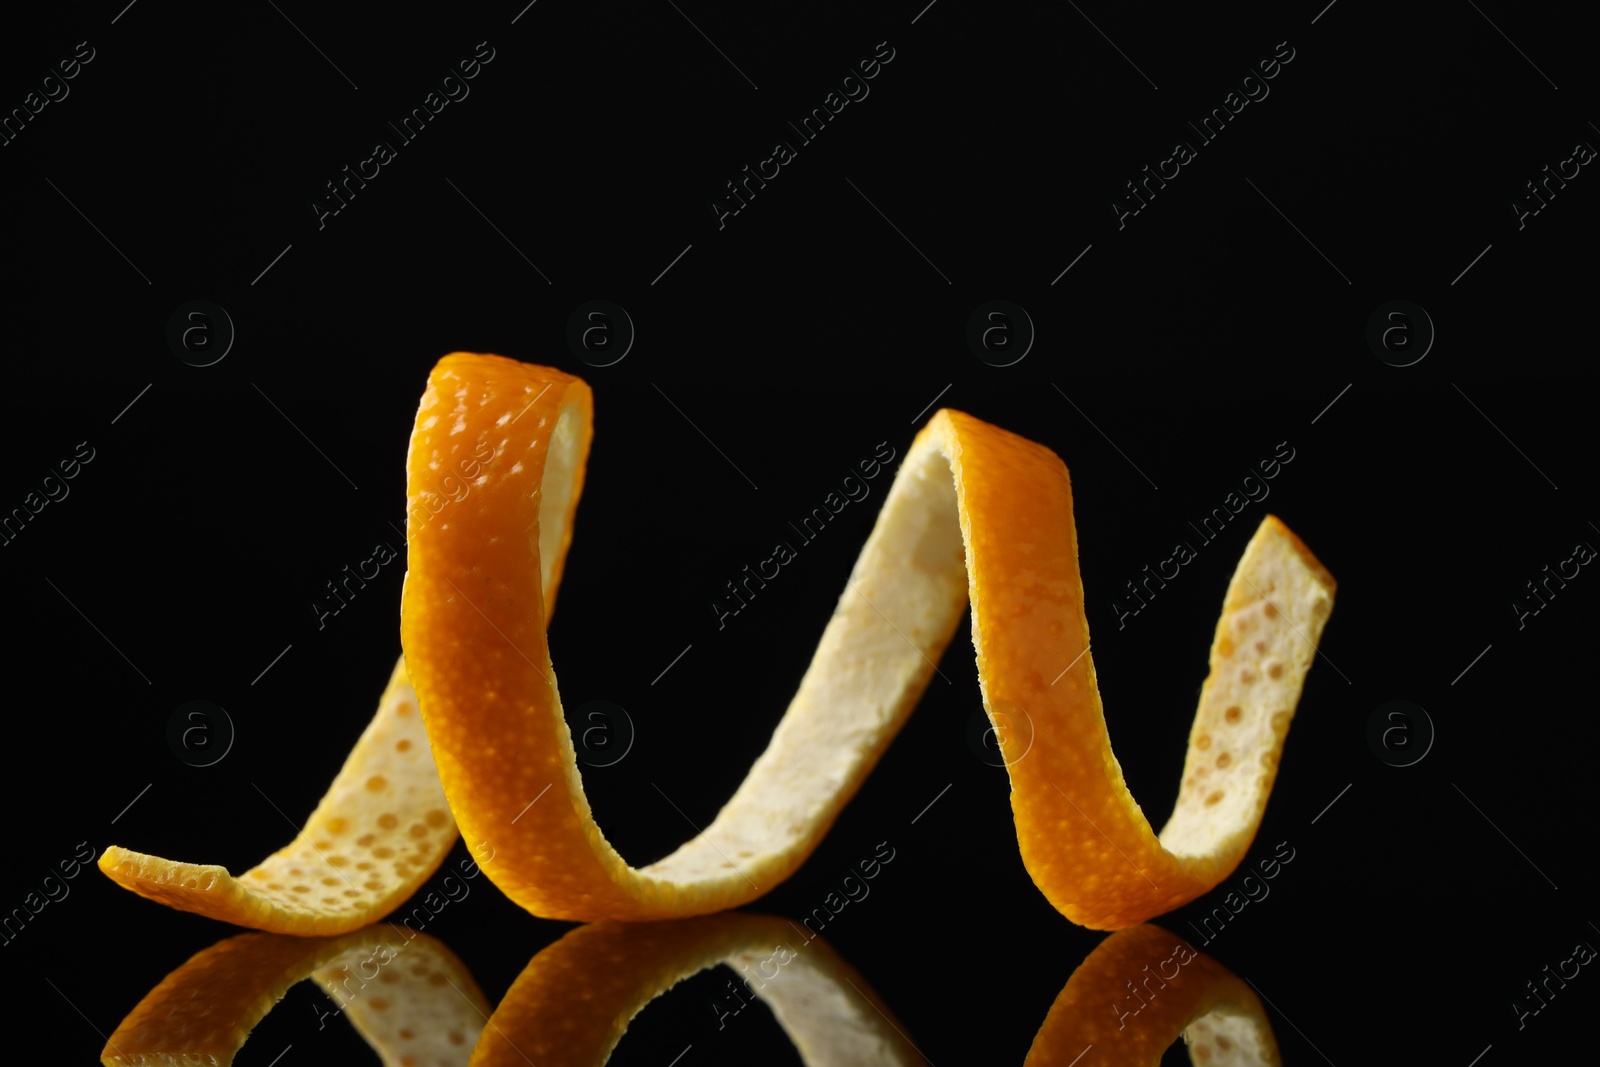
(974,511)
(975,514)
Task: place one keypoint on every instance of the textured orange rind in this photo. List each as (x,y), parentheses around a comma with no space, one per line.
(974,513)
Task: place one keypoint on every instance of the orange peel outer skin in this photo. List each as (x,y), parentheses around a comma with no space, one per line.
(481,666)
(1084,839)
(482,585)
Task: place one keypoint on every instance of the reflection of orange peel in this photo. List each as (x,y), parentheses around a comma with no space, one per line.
(576,998)
(408,995)
(1141,989)
(573,1002)
(415,1003)
(380,832)
(974,513)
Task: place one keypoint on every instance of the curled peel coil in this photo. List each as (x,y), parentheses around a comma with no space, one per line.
(974,514)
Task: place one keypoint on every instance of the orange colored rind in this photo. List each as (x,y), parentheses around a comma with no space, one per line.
(974,512)
(380,832)
(407,994)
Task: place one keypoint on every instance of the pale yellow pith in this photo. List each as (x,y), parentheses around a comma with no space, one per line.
(1275,607)
(381,830)
(900,608)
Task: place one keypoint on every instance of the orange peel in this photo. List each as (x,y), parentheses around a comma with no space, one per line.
(379,833)
(1142,988)
(406,994)
(974,512)
(574,1001)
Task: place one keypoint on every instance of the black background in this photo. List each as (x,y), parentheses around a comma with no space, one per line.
(818,322)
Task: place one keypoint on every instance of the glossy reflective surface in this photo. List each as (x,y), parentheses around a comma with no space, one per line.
(203,548)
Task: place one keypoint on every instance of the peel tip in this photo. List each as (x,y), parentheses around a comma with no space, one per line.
(129,868)
(120,864)
(1272,525)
